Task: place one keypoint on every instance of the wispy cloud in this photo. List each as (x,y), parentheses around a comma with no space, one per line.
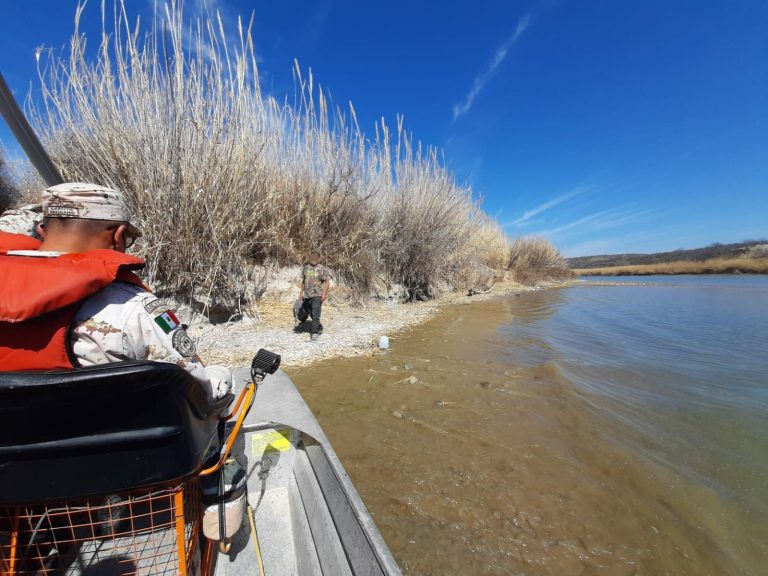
(598,221)
(482,79)
(528,214)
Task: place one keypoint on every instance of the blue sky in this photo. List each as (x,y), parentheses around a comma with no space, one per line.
(607,126)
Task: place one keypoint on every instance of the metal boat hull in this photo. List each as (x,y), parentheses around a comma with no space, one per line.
(304,516)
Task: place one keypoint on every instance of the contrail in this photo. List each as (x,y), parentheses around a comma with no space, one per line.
(481,80)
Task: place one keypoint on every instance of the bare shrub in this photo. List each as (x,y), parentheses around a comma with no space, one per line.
(8,192)
(28,183)
(533,259)
(424,217)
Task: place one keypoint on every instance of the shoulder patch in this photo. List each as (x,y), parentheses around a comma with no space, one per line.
(154,304)
(183,344)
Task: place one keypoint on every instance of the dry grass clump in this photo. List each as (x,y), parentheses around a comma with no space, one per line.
(533,258)
(223,178)
(743,264)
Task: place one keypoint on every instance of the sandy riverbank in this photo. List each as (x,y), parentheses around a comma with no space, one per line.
(350,330)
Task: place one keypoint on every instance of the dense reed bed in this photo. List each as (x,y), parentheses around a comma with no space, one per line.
(226,180)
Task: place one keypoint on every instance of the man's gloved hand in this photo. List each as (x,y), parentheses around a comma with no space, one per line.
(221,380)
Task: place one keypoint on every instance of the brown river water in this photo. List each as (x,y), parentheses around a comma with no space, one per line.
(480,446)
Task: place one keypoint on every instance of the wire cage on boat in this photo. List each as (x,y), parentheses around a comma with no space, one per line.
(148,532)
(111,492)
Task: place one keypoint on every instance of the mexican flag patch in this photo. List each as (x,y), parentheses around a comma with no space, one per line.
(167,321)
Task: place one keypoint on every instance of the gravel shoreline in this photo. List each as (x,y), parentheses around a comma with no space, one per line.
(350,330)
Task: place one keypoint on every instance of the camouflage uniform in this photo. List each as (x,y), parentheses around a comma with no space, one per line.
(22,220)
(313,278)
(124,322)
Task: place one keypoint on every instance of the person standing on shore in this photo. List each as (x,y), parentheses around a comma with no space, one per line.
(315,282)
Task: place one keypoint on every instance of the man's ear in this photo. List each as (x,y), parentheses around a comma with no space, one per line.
(40,229)
(119,236)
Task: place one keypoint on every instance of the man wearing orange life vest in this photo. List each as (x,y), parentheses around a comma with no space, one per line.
(74,300)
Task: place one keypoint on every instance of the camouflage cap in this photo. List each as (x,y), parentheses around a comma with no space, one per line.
(87,201)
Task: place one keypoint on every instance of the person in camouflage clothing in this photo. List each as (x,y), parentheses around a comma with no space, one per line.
(26,220)
(315,282)
(122,321)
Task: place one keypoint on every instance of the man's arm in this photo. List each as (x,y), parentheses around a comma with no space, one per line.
(301,290)
(124,322)
(326,286)
(326,280)
(163,339)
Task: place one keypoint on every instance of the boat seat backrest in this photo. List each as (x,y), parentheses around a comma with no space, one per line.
(101,430)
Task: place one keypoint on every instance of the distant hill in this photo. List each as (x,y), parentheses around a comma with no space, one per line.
(746,248)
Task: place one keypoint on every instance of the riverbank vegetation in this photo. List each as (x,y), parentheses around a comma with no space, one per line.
(741,265)
(749,248)
(228,181)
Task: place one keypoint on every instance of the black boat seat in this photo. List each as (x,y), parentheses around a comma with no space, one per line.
(101,430)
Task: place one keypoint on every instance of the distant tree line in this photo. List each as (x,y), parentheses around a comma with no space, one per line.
(715,250)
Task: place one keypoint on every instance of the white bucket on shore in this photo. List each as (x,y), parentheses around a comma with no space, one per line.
(384,342)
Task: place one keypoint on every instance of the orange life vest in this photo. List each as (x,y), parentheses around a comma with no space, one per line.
(9,241)
(40,296)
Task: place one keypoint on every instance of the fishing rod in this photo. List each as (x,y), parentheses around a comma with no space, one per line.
(26,136)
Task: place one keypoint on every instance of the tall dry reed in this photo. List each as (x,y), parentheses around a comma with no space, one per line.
(222,177)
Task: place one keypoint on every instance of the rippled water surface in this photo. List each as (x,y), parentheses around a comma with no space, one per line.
(598,429)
